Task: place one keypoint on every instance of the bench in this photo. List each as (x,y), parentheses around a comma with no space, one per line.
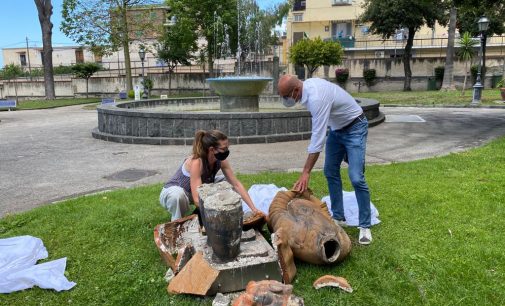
(108,101)
(8,104)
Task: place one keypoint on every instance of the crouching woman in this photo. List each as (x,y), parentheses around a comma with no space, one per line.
(210,150)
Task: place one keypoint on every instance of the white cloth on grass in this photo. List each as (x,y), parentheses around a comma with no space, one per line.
(263,194)
(19,271)
(351,210)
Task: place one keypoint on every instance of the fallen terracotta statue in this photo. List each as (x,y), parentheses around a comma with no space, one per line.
(303,228)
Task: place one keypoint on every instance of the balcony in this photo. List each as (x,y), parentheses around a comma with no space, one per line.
(346,42)
(299,5)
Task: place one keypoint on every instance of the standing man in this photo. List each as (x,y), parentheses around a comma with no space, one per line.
(333,107)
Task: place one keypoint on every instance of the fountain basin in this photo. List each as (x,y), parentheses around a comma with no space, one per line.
(175,121)
(239,94)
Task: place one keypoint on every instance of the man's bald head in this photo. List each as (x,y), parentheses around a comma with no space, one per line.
(287,83)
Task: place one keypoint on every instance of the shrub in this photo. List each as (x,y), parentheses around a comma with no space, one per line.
(63,70)
(439,73)
(11,71)
(131,94)
(342,75)
(147,83)
(36,72)
(369,75)
(500,83)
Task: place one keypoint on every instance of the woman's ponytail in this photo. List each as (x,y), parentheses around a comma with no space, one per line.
(198,150)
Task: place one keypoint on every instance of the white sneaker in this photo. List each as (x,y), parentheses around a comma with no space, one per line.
(340,223)
(365,236)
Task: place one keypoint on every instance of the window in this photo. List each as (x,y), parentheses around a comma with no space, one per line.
(98,58)
(297,17)
(341,29)
(297,36)
(79,56)
(22,59)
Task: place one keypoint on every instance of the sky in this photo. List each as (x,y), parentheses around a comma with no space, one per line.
(19,20)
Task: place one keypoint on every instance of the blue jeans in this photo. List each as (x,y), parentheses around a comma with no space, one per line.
(353,142)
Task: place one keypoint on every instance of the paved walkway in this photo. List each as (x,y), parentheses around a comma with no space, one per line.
(49,155)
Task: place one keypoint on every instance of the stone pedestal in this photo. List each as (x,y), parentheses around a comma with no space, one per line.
(202,274)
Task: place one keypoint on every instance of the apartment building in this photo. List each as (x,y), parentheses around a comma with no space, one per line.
(338,20)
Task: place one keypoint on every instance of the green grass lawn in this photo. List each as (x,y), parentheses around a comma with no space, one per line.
(439,242)
(42,104)
(431,98)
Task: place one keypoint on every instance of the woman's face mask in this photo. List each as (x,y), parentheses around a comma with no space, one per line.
(222,155)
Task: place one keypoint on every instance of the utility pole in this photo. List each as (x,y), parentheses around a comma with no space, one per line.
(28,57)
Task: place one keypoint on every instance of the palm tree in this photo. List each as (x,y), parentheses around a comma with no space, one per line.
(466,53)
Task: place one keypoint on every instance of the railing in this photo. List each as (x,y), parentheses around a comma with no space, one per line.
(436,42)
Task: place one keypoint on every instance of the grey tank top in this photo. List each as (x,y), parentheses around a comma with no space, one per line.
(181,177)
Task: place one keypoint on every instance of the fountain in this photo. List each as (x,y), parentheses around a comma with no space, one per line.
(240,93)
(239,111)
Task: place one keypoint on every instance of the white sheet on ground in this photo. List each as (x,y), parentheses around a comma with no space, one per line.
(351,210)
(262,196)
(19,271)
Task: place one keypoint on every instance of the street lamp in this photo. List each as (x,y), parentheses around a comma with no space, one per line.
(142,55)
(477,88)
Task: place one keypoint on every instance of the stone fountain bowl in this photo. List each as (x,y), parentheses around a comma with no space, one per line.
(239,85)
(239,93)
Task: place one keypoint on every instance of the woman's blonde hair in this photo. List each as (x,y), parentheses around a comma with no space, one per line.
(204,140)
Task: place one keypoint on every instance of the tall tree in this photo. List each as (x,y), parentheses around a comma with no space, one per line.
(45,11)
(448,82)
(388,16)
(177,45)
(315,52)
(105,23)
(469,12)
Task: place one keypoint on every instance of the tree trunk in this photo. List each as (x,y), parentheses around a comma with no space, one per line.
(448,83)
(310,71)
(406,60)
(464,81)
(169,82)
(125,39)
(16,89)
(45,10)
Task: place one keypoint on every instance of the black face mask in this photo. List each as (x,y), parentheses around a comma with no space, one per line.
(222,155)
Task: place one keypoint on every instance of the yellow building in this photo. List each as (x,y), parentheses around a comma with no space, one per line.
(338,20)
